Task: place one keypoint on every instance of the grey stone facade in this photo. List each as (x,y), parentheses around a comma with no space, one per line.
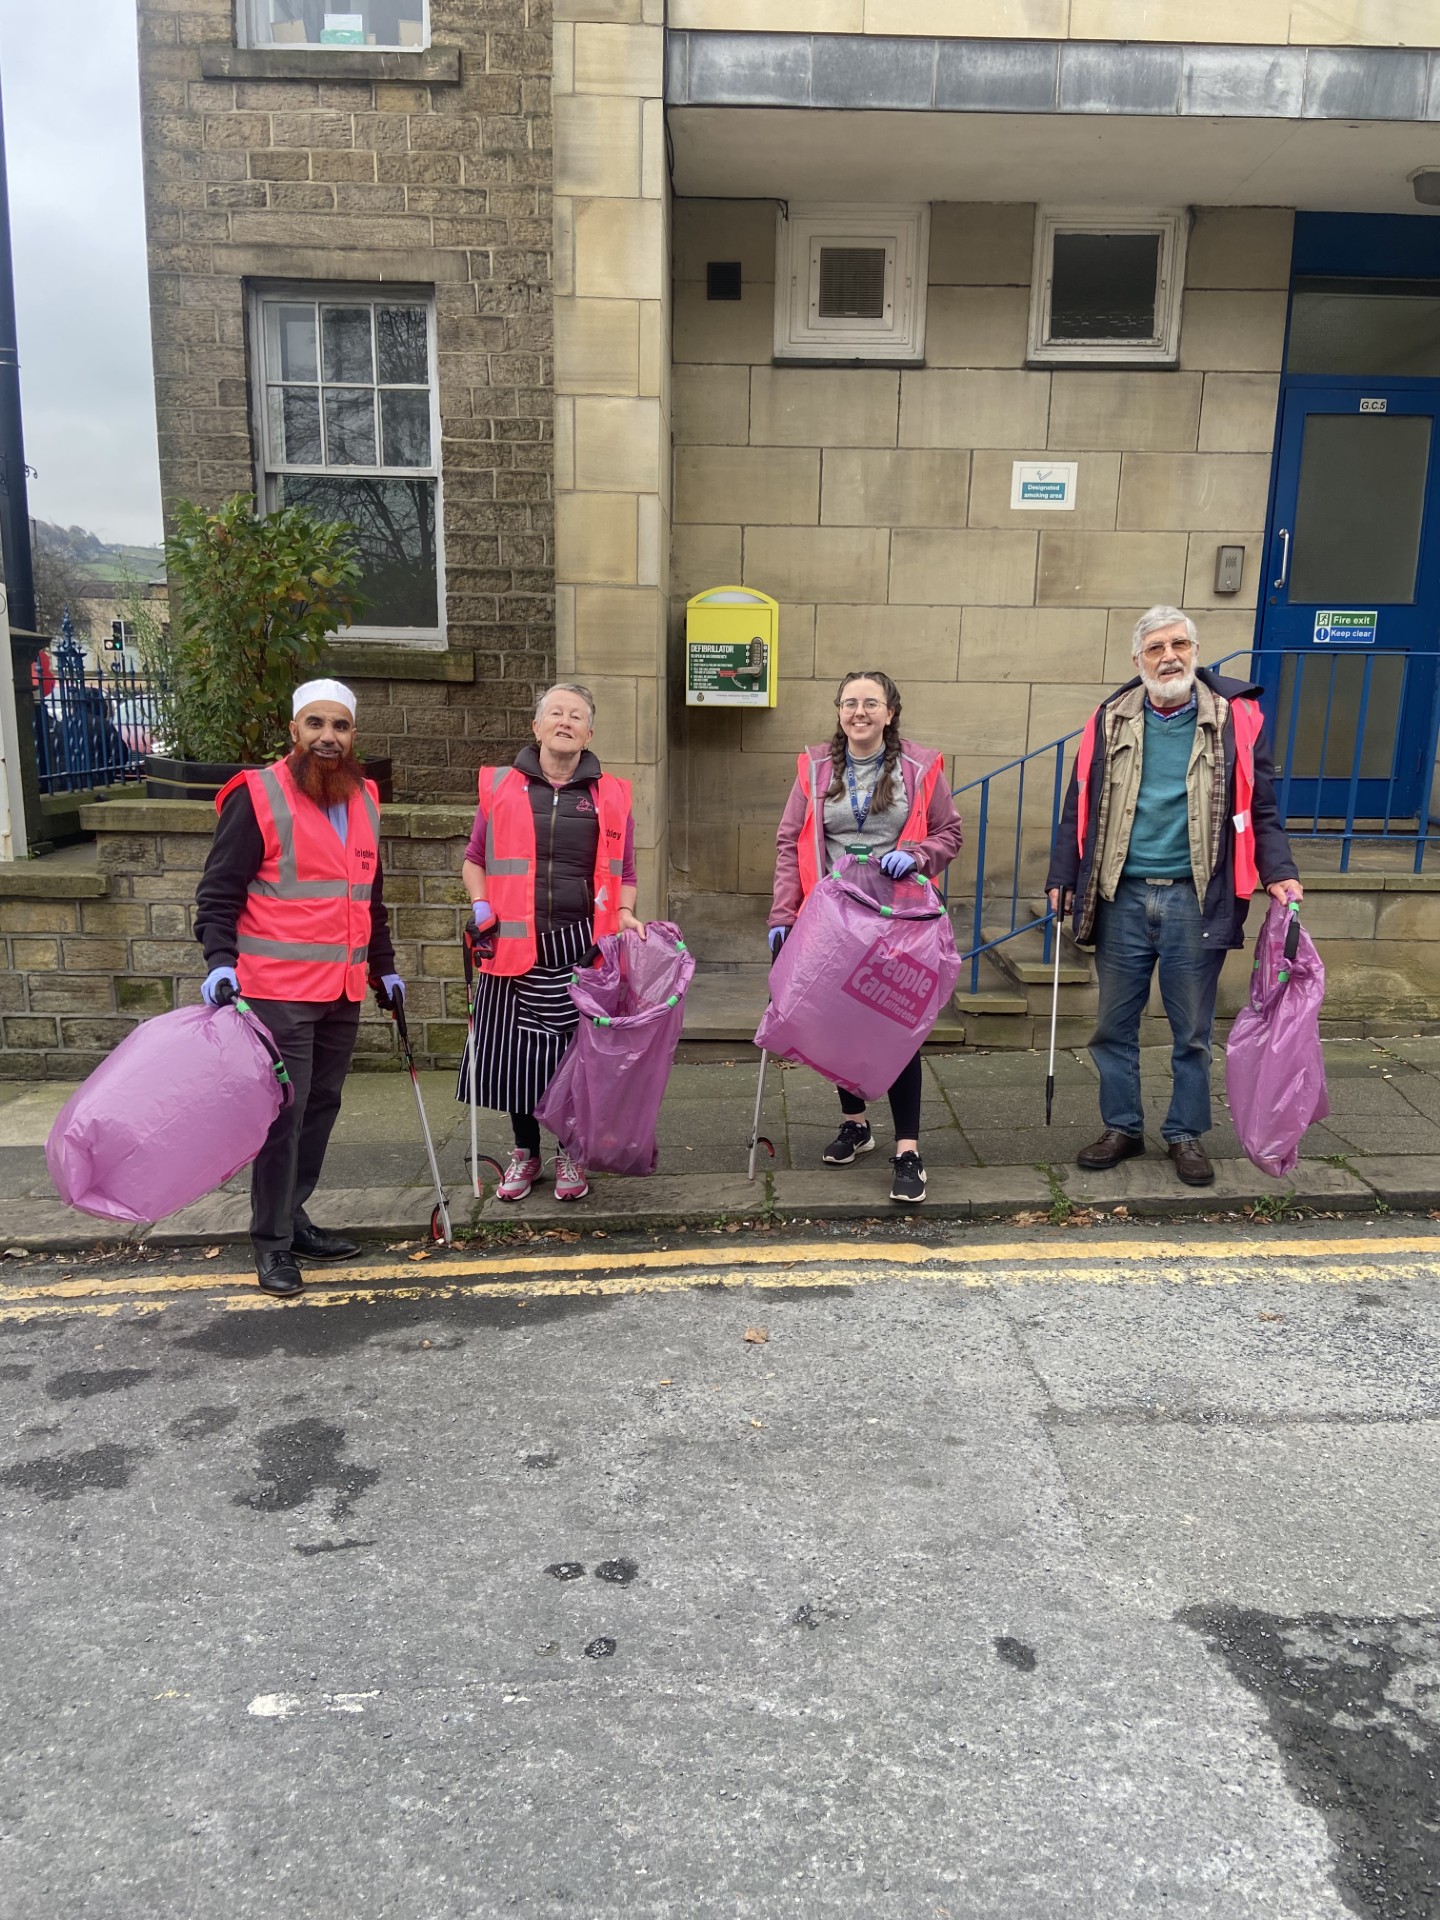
(429,168)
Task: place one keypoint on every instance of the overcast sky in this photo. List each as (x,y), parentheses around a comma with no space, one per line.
(72,135)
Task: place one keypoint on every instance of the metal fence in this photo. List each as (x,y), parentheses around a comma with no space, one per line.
(1337,722)
(93,725)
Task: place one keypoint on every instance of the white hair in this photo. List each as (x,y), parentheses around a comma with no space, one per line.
(1152,621)
(567,686)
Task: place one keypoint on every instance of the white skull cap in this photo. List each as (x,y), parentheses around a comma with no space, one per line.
(321,690)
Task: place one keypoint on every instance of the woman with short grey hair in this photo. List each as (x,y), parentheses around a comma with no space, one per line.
(550,868)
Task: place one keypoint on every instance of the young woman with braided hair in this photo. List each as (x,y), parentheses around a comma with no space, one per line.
(869,791)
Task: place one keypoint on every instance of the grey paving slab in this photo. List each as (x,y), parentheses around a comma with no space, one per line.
(26,1120)
(1423,1051)
(1149,1184)
(1369,1133)
(1402,1179)
(22,1170)
(1352,1097)
(1056,1145)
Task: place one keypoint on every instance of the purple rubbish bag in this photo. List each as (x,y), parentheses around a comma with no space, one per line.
(604,1101)
(862,977)
(1274,1067)
(182,1103)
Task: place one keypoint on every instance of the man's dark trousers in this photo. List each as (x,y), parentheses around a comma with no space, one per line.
(316,1039)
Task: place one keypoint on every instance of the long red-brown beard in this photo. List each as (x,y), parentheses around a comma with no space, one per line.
(329,783)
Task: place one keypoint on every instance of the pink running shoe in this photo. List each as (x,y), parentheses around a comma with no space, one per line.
(570,1181)
(520,1175)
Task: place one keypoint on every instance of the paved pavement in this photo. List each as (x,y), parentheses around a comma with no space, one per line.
(986,1149)
(963,1574)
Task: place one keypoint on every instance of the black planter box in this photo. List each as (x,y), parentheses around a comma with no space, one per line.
(167,779)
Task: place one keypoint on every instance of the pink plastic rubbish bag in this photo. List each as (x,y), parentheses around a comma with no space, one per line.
(862,977)
(182,1103)
(604,1102)
(1274,1067)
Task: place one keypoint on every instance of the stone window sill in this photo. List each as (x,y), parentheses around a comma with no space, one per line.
(431,66)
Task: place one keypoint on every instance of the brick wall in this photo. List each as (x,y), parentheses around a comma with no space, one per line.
(86,954)
(402,178)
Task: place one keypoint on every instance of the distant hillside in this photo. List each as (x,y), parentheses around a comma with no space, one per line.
(86,556)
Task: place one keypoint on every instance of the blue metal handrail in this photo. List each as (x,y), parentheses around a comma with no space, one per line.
(1286,670)
(93,725)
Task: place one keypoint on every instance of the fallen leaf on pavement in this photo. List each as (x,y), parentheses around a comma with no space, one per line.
(1269,1316)
(733,1227)
(424,1254)
(212,1253)
(756,1336)
(757,1423)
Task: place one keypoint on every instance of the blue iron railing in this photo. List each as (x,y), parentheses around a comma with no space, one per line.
(1337,721)
(93,725)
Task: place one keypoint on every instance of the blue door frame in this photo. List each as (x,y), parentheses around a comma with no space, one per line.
(1375,642)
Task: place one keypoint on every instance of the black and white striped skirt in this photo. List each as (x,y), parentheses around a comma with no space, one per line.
(525,1022)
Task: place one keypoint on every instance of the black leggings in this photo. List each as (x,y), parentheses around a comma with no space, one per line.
(526,1129)
(904,1101)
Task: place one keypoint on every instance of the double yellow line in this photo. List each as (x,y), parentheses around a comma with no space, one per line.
(1351,1261)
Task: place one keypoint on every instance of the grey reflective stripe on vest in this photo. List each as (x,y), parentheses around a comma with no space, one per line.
(297,950)
(493,863)
(362,890)
(289,886)
(617,869)
(817,815)
(514,930)
(302,889)
(374,814)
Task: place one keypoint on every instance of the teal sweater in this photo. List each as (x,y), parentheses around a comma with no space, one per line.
(1160,837)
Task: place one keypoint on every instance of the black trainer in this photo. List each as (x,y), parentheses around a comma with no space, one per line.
(909,1181)
(854,1137)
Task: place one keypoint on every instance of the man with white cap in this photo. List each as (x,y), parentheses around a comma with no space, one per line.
(291,914)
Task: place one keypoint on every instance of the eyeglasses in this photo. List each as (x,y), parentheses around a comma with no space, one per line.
(861,706)
(1158,649)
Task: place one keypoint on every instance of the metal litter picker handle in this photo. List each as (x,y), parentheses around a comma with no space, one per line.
(1054,1010)
(440,1213)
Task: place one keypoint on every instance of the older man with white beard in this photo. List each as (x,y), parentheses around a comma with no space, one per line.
(1169,825)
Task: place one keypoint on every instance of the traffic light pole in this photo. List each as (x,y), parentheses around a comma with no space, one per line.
(14,502)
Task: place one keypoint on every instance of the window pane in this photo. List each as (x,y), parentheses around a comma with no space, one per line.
(350,427)
(290,341)
(1360,505)
(347,343)
(394,526)
(400,346)
(1103,286)
(338,23)
(404,428)
(1383,327)
(852,283)
(1331,688)
(295,426)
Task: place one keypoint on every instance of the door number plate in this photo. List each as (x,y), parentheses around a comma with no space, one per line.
(1373,406)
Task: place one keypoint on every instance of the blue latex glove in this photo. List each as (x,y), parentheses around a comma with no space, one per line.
(220,986)
(483,916)
(777,936)
(388,991)
(897,864)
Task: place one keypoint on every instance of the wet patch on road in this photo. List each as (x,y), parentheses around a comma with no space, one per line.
(1354,1708)
(1015,1653)
(61,1476)
(600,1648)
(542,1460)
(566,1570)
(201,1422)
(308,1552)
(304,1335)
(298,1461)
(18,1371)
(84,1383)
(619,1573)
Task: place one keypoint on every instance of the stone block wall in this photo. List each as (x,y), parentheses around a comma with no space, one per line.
(874,504)
(427,169)
(1340,23)
(85,954)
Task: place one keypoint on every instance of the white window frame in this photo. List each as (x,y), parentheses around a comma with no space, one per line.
(799,332)
(246,34)
(268,470)
(1161,350)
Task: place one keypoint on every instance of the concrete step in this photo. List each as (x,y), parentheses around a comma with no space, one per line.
(1022,958)
(726,1004)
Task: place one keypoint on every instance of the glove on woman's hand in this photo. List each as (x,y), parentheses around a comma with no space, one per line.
(897,864)
(482,915)
(220,986)
(776,937)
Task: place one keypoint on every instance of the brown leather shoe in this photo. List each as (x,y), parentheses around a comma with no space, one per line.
(1192,1163)
(1109,1150)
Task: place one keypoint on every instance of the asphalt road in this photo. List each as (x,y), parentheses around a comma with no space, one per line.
(1010,1574)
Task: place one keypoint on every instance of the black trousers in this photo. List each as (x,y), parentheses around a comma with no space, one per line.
(904,1101)
(316,1039)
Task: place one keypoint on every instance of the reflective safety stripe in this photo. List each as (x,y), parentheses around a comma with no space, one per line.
(373,811)
(617,869)
(359,955)
(302,889)
(513,929)
(501,867)
(284,820)
(295,950)
(362,890)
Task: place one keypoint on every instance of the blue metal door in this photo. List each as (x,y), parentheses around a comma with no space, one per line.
(1351,596)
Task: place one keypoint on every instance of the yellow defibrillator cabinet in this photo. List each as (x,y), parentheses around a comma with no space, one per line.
(732,648)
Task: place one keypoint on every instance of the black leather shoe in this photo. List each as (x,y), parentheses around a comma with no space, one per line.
(1109,1150)
(278,1274)
(314,1243)
(1192,1163)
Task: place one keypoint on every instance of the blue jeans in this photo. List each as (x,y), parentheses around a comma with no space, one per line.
(1141,925)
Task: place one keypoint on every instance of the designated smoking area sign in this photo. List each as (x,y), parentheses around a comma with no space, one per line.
(1346,629)
(731,637)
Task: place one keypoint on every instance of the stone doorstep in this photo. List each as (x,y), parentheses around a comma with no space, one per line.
(1146,1186)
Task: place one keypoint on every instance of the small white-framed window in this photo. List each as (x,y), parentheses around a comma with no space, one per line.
(1107,287)
(348,426)
(383,24)
(850,283)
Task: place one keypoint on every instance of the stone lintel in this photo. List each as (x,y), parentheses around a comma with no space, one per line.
(387,266)
(427,66)
(358,660)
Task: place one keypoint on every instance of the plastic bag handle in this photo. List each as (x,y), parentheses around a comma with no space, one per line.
(1292,935)
(277,1059)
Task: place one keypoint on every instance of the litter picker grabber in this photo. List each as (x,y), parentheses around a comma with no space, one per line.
(757,1139)
(440,1214)
(1054,1010)
(476,948)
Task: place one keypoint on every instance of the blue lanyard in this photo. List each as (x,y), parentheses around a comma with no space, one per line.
(861,813)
